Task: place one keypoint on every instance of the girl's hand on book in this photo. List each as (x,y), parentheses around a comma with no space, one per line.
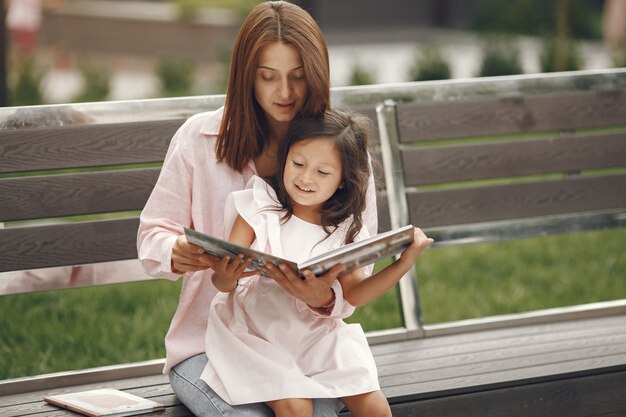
(187,257)
(420,243)
(313,291)
(228,272)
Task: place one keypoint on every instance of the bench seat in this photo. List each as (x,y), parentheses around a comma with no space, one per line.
(568,367)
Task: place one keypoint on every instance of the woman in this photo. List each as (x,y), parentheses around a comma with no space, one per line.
(279,71)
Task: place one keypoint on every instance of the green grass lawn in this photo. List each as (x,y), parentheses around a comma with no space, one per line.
(78,328)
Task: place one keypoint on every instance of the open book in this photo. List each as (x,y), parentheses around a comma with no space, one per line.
(354,256)
(106,402)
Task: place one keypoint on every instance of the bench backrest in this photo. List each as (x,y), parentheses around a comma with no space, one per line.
(56,178)
(84,170)
(461,165)
(503,167)
(445,163)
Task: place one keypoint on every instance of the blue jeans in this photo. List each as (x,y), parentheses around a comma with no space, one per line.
(202,401)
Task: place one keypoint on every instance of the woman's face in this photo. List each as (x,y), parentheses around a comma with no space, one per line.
(279,85)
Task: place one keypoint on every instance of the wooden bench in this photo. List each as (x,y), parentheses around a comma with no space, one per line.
(561,362)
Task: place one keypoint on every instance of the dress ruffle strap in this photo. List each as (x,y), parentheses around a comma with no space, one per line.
(258,206)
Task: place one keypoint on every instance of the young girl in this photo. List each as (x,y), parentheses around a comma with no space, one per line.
(263,344)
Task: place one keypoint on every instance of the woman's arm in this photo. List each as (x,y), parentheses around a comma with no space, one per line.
(167,211)
(359,290)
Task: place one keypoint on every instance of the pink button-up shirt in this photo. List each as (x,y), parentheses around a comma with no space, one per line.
(191,191)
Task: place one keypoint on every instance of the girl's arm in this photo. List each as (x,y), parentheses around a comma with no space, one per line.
(227,272)
(359,290)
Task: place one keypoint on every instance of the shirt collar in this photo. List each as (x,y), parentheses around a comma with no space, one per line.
(212,124)
(211,127)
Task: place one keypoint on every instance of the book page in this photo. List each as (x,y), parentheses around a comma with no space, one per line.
(359,254)
(221,248)
(354,256)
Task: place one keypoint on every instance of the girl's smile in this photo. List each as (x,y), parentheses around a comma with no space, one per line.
(312,175)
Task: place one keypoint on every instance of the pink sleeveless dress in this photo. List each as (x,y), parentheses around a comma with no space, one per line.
(262,343)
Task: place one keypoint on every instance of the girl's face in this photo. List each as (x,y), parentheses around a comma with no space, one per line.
(312,175)
(279,85)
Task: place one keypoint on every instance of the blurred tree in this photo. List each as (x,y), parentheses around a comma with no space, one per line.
(538,17)
(562,35)
(219,83)
(572,58)
(3,59)
(614,30)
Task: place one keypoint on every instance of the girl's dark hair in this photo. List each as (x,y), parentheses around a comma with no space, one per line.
(243,133)
(350,132)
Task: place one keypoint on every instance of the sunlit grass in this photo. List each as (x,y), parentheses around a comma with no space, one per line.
(522,275)
(86,327)
(481,280)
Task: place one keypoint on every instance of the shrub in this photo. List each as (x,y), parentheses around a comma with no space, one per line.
(219,81)
(26,87)
(176,76)
(572,59)
(501,56)
(361,75)
(619,59)
(96,83)
(430,64)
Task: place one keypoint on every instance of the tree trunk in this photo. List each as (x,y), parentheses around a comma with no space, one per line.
(562,34)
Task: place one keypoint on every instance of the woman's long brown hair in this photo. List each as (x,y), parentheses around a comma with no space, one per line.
(244,133)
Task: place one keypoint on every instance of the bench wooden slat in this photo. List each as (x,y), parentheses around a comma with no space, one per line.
(68,244)
(483,364)
(382,207)
(507,159)
(501,379)
(85,145)
(517,200)
(452,119)
(596,395)
(509,357)
(74,194)
(436,352)
(35,391)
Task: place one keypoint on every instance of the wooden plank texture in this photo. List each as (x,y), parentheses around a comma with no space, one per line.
(447,388)
(68,244)
(382,206)
(586,396)
(517,200)
(85,145)
(74,194)
(502,115)
(509,159)
(528,335)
